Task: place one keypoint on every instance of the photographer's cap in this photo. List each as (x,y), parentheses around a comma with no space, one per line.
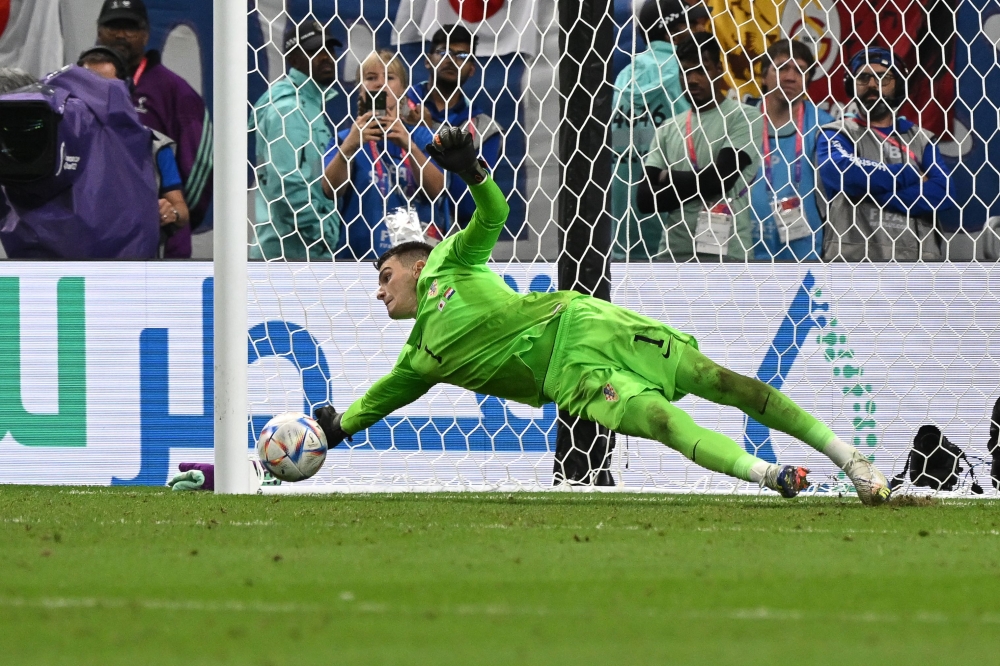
(309,34)
(128,10)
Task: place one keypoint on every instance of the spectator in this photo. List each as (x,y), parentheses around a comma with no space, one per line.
(72,146)
(883,175)
(167,104)
(647,92)
(701,163)
(787,222)
(294,219)
(378,164)
(440,101)
(110,64)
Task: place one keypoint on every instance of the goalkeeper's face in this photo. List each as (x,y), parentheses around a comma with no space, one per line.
(397,287)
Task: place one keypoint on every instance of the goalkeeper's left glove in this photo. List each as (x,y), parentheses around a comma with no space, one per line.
(454,151)
(329,420)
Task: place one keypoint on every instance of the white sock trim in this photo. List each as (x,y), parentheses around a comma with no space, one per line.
(758,471)
(840,452)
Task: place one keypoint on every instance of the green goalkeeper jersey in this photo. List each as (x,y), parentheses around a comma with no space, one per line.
(472,330)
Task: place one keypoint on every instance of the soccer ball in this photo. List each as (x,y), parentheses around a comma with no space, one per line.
(292,446)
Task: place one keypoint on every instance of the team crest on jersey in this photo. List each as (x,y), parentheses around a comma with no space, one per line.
(449,293)
(441,304)
(433,291)
(609,393)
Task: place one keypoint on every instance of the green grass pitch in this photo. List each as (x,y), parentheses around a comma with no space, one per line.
(145,576)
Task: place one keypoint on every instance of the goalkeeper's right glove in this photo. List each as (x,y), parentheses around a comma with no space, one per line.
(329,420)
(453,149)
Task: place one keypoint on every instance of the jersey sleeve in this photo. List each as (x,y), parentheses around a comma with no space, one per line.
(474,244)
(170,176)
(841,169)
(656,154)
(397,389)
(333,147)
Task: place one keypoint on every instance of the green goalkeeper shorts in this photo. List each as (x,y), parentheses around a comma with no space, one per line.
(605,354)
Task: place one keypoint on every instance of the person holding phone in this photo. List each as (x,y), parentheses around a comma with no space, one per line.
(378,164)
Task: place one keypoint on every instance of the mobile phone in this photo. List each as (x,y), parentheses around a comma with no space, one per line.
(378,104)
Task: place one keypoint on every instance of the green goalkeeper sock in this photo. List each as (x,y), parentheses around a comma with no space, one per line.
(652,416)
(700,376)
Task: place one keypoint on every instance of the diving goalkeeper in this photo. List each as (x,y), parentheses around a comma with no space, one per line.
(592,358)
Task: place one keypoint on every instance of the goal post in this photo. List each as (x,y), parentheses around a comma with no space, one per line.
(229,333)
(586,40)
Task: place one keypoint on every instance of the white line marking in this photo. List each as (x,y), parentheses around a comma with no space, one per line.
(346,603)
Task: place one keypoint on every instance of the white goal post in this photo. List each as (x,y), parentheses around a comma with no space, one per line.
(230,261)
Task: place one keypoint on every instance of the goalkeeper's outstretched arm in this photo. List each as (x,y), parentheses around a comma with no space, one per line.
(454,151)
(397,389)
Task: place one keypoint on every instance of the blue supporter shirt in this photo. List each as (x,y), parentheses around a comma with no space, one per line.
(779,182)
(382,180)
(459,115)
(170,175)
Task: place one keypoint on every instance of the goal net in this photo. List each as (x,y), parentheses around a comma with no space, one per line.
(850,263)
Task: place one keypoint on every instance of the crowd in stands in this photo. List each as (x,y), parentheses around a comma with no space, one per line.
(323,194)
(775,179)
(699,174)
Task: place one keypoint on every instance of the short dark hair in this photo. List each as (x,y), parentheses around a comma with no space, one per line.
(453,34)
(101,54)
(793,49)
(700,47)
(408,253)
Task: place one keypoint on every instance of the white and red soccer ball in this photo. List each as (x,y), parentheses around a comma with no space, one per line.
(292,446)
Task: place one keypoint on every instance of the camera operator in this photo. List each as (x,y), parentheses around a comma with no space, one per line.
(378,164)
(76,170)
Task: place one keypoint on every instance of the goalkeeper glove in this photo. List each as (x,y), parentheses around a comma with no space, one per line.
(329,421)
(453,150)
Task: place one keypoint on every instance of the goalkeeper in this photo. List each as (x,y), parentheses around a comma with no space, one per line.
(592,358)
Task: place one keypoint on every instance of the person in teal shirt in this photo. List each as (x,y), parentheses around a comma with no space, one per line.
(592,358)
(648,92)
(294,219)
(787,222)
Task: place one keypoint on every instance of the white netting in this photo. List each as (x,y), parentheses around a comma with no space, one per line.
(852,267)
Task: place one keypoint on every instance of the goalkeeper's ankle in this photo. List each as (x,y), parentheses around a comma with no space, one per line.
(840,452)
(759,471)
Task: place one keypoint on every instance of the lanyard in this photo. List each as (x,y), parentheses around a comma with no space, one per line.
(692,155)
(800,126)
(139,71)
(888,137)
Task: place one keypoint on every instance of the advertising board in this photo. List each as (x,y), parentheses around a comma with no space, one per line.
(106,368)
